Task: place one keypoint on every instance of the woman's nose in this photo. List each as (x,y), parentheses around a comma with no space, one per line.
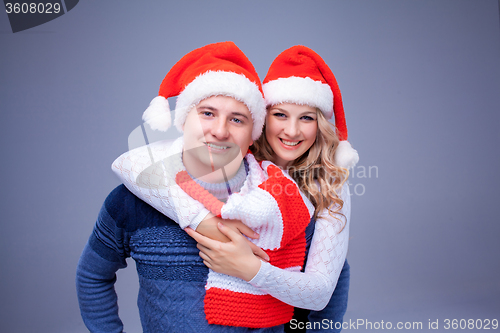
(292,128)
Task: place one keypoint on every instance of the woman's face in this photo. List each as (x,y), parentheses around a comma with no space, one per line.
(291,131)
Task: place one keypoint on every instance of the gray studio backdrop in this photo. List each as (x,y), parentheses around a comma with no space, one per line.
(421,88)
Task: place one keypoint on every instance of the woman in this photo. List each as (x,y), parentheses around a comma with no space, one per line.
(299,90)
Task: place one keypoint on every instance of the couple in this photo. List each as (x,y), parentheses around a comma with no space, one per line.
(208,174)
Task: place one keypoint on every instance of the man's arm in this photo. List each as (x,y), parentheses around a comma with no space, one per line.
(95,277)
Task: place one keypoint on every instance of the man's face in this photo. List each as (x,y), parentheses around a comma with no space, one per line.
(217,134)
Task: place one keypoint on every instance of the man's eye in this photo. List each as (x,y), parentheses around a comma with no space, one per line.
(238,121)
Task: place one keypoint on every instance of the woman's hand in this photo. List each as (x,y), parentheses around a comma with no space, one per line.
(208,227)
(235,258)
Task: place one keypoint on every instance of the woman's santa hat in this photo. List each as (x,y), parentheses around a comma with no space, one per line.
(300,76)
(219,69)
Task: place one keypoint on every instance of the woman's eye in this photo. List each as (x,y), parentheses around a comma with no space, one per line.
(308,118)
(207,113)
(279,115)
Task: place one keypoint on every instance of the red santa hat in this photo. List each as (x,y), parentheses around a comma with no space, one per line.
(219,69)
(300,76)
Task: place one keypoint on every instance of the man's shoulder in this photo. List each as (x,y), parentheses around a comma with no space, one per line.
(130,212)
(119,198)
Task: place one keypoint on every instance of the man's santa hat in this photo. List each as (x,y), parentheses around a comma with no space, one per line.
(219,69)
(300,76)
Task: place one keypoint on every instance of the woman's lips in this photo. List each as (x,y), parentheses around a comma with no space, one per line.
(291,145)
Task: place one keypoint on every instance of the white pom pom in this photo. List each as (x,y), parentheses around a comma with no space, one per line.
(157,115)
(345,155)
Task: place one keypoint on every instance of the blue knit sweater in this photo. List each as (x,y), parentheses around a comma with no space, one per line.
(172,276)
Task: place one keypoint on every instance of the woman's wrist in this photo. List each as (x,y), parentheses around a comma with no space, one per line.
(259,279)
(251,269)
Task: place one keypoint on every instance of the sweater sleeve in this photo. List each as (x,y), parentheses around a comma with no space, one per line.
(95,277)
(149,173)
(313,288)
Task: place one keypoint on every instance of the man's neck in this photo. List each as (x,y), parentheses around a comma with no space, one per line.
(207,175)
(222,190)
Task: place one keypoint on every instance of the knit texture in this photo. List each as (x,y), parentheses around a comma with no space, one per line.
(313,288)
(232,302)
(143,172)
(172,276)
(199,193)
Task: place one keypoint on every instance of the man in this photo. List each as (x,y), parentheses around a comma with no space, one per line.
(221,109)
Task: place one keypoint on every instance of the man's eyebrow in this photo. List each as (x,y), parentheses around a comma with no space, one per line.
(211,108)
(239,114)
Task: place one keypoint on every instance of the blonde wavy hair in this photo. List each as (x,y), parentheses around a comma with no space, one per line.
(315,167)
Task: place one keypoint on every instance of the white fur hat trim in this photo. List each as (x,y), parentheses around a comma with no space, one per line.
(302,91)
(345,155)
(222,83)
(157,115)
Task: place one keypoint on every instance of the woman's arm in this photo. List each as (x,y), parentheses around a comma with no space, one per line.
(149,173)
(311,289)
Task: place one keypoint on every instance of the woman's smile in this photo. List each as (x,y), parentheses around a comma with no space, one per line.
(290,144)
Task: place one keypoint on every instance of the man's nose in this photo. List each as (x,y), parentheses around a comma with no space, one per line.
(219,128)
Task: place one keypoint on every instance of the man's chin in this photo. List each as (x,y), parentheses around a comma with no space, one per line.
(222,162)
(204,162)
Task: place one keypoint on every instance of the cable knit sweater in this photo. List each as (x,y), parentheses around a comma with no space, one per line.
(311,289)
(172,276)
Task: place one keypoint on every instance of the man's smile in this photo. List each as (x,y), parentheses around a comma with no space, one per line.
(220,146)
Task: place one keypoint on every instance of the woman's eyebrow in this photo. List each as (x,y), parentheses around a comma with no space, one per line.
(279,109)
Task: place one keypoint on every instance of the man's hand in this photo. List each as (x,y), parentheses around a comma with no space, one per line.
(208,227)
(234,258)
